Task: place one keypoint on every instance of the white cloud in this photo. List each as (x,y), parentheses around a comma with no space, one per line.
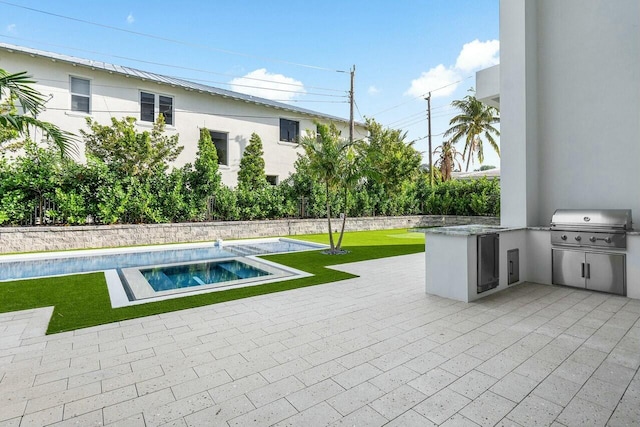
(267,85)
(11,28)
(130,19)
(373,90)
(477,55)
(435,78)
(443,81)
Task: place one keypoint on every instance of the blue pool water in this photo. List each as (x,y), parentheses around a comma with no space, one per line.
(10,270)
(186,276)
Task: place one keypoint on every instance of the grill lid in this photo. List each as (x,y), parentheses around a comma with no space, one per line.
(619,219)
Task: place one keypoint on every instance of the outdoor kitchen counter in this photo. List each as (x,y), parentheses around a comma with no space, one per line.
(468,230)
(452,260)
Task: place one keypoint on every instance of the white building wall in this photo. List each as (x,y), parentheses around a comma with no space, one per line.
(115,95)
(570,107)
(518,107)
(589,105)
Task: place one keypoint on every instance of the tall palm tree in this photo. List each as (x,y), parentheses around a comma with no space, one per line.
(475,121)
(18,86)
(448,159)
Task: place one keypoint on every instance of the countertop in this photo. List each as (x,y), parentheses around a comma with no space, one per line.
(468,230)
(478,229)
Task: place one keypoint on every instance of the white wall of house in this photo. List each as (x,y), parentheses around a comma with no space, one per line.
(116,95)
(570,107)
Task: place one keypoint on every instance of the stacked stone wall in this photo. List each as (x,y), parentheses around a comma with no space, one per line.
(33,239)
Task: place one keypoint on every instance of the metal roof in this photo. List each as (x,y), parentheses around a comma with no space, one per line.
(172,81)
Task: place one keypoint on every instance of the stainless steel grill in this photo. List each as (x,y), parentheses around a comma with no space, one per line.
(588,248)
(604,228)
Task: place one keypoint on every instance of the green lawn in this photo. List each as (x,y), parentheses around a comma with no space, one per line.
(82,300)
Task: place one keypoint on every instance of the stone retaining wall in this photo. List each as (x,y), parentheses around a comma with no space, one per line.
(31,239)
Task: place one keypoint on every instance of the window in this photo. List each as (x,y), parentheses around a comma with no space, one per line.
(148,107)
(221,141)
(289,130)
(272,179)
(166,108)
(80,95)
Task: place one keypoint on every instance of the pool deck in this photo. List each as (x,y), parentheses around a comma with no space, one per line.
(370,351)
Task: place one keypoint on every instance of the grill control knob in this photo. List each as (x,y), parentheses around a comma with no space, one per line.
(578,238)
(607,239)
(563,237)
(592,239)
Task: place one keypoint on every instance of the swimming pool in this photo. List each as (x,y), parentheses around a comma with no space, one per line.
(123,267)
(171,280)
(202,273)
(13,267)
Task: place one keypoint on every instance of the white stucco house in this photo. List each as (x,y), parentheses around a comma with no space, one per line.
(568,90)
(80,88)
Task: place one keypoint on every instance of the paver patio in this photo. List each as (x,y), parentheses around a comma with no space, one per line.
(375,350)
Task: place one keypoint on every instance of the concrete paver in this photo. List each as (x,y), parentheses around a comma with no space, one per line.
(373,350)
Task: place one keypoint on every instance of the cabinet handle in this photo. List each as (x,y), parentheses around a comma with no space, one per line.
(582,275)
(510,267)
(588,271)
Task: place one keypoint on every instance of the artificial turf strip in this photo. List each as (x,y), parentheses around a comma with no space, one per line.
(82,300)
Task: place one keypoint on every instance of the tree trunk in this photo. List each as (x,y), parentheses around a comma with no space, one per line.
(329,216)
(344,220)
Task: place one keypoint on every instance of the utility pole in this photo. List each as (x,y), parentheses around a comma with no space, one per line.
(428,98)
(351,101)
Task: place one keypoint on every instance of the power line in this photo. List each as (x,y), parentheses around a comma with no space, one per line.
(166,39)
(416,97)
(407,118)
(425,137)
(126,58)
(358,109)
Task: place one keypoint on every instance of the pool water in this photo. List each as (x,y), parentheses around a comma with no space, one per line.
(83,262)
(189,275)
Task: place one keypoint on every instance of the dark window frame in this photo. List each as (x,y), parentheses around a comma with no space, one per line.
(220,136)
(164,103)
(289,130)
(273,179)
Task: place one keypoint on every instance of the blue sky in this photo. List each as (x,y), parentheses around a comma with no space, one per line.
(401,49)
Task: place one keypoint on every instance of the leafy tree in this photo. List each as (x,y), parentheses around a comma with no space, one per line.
(448,159)
(128,151)
(304,190)
(9,135)
(251,175)
(474,121)
(326,151)
(391,160)
(17,87)
(205,179)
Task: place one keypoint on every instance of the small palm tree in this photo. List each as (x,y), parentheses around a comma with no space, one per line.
(448,159)
(329,162)
(18,87)
(475,120)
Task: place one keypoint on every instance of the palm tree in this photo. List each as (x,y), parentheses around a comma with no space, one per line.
(18,87)
(448,159)
(476,120)
(329,157)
